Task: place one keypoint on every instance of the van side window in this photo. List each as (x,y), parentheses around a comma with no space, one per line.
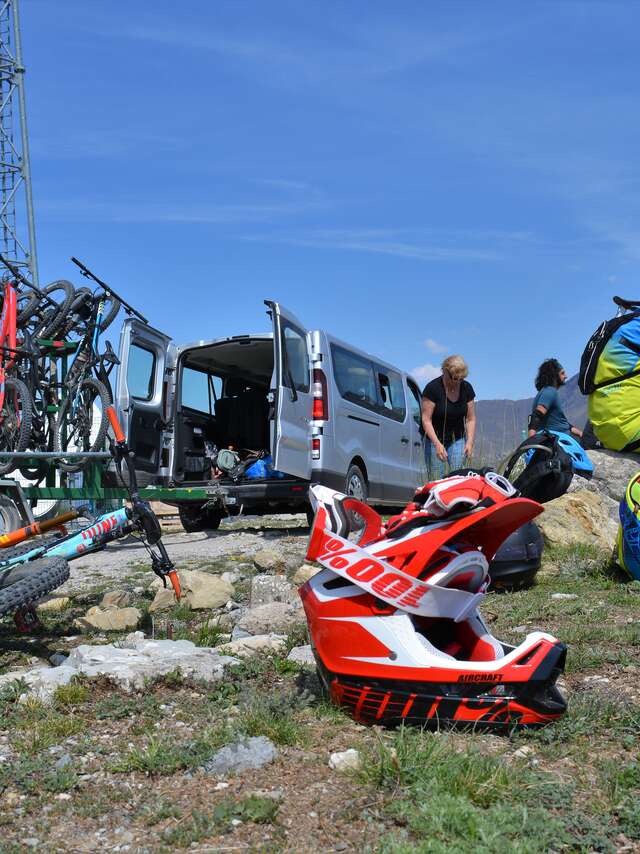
(415,403)
(392,394)
(200,390)
(354,377)
(297,359)
(141,369)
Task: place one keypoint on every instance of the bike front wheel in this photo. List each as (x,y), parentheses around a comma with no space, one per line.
(15,420)
(25,583)
(82,421)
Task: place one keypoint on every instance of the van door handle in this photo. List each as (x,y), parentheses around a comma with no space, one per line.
(404,440)
(417,444)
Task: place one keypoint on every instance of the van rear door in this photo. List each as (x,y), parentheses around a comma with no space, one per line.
(292,395)
(147,356)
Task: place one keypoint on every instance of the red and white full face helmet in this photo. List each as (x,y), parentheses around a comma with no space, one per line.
(394,618)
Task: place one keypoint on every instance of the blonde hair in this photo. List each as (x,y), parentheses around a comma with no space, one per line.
(456,367)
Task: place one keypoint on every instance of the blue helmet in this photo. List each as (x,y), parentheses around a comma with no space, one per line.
(580,461)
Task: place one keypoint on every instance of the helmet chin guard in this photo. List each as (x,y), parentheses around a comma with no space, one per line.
(393,615)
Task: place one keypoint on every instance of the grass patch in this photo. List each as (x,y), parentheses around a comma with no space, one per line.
(202,825)
(162,757)
(450,799)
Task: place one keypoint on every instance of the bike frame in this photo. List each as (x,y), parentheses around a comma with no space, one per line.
(109,526)
(8,330)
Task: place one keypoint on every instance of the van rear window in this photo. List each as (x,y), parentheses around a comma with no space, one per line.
(392,394)
(354,377)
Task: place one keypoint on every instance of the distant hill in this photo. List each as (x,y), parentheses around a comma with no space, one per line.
(501,422)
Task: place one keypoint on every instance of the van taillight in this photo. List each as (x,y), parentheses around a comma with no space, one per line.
(320,410)
(315,449)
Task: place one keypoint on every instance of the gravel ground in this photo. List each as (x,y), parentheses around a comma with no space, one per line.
(247,537)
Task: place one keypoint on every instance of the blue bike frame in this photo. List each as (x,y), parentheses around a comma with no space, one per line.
(107,527)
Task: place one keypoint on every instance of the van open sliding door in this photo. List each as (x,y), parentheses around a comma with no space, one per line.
(292,392)
(141,392)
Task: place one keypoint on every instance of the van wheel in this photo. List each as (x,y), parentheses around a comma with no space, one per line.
(193,519)
(196,519)
(356,483)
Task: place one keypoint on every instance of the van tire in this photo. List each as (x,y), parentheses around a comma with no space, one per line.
(356,483)
(195,519)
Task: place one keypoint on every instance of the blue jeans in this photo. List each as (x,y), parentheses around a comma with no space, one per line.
(436,469)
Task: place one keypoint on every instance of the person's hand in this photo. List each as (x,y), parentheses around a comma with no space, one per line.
(468,450)
(441,452)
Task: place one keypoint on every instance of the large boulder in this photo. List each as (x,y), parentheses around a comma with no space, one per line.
(580,517)
(130,665)
(612,473)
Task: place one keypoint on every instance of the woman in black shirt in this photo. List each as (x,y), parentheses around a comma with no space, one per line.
(448,418)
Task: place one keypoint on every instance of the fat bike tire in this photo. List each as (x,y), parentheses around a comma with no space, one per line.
(26,583)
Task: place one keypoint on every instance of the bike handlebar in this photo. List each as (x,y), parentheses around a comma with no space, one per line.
(86,272)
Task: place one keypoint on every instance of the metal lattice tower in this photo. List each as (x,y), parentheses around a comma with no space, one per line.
(17,229)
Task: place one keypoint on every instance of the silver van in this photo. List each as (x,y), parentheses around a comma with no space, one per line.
(327,412)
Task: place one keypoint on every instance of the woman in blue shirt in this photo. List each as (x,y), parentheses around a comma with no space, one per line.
(547,412)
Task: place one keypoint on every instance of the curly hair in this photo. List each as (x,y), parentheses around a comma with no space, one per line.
(548,374)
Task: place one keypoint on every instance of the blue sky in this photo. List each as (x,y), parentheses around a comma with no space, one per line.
(418,178)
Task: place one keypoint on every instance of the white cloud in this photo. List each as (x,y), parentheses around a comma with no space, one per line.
(424,373)
(434,346)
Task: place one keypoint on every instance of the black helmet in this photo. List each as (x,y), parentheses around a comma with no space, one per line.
(518,559)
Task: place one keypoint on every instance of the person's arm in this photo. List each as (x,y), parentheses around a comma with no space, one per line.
(576,431)
(470,429)
(427,425)
(536,419)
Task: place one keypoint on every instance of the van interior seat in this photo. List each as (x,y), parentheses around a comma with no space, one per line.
(243,418)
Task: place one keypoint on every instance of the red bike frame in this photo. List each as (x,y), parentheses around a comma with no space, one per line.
(8,327)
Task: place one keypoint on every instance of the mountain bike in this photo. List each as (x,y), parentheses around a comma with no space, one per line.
(28,572)
(82,422)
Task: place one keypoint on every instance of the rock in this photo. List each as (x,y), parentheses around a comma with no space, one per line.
(267,560)
(235,758)
(163,600)
(279,617)
(523,752)
(116,599)
(612,473)
(200,590)
(345,761)
(204,590)
(272,588)
(130,666)
(238,633)
(53,603)
(111,620)
(564,595)
(231,576)
(304,573)
(302,655)
(244,647)
(580,517)
(64,760)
